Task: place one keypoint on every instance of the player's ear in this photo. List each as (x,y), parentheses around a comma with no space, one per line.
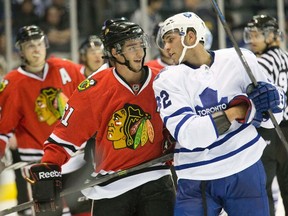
(114,53)
(270,37)
(190,37)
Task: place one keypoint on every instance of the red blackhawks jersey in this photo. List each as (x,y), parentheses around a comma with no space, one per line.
(156,63)
(126,124)
(31,106)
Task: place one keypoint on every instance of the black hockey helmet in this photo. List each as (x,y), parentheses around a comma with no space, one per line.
(110,21)
(91,41)
(263,22)
(115,33)
(27,33)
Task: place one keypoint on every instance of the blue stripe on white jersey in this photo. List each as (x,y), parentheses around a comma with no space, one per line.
(201,163)
(215,144)
(184,119)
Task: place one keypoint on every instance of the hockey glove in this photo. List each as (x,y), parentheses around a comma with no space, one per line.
(252,116)
(168,144)
(46,187)
(266,96)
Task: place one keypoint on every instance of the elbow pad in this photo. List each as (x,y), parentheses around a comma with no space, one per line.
(221,122)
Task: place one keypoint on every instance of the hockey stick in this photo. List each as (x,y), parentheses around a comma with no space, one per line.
(248,70)
(93,182)
(22,164)
(19,165)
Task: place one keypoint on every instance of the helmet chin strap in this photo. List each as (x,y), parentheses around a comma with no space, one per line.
(185,49)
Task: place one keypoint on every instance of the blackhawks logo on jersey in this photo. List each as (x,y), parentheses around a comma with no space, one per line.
(50,105)
(85,84)
(3,85)
(130,127)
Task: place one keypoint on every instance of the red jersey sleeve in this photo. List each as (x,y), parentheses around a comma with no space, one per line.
(2,148)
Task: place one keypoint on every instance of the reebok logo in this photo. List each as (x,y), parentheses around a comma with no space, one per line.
(52,174)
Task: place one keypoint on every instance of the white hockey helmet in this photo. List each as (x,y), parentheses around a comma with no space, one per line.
(180,23)
(208,39)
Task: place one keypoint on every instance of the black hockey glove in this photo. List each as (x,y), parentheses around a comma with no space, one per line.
(168,144)
(46,187)
(266,96)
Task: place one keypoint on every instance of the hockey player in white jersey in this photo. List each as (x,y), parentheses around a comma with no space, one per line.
(203,103)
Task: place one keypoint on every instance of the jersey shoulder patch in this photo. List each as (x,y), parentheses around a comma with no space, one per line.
(3,84)
(86,84)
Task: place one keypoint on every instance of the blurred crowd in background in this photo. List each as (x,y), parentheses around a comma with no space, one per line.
(53,17)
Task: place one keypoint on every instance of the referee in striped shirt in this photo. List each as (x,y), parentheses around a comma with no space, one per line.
(264,37)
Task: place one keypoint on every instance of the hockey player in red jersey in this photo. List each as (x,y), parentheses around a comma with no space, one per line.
(117,107)
(33,98)
(91,53)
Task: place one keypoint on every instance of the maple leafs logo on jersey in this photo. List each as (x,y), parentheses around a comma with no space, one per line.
(209,99)
(85,84)
(130,127)
(3,85)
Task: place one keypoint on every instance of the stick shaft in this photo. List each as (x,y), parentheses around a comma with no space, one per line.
(94,182)
(248,70)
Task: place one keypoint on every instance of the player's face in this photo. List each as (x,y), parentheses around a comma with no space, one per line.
(256,41)
(172,45)
(94,57)
(133,50)
(34,52)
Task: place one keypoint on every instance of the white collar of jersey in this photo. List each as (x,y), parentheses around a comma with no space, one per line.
(45,71)
(126,85)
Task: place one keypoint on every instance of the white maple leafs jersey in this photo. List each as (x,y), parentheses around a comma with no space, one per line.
(187,96)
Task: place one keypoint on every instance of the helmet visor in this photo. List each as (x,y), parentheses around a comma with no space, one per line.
(135,44)
(34,41)
(253,34)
